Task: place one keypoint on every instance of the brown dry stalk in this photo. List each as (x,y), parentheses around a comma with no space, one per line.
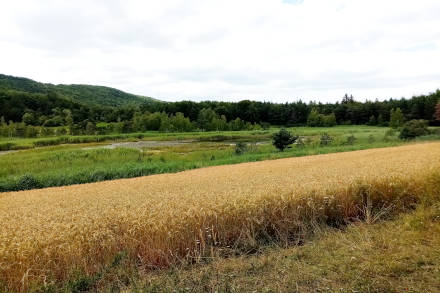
(157,220)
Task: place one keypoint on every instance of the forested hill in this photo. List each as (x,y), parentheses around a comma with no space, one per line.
(41,104)
(85,94)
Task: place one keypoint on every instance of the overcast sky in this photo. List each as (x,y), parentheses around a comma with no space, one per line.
(228,50)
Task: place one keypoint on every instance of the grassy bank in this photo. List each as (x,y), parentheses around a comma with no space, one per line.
(53,235)
(398,255)
(73,164)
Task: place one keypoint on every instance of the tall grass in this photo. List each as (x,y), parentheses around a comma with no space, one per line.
(161,220)
(9,143)
(62,165)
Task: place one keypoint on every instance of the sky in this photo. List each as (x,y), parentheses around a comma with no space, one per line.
(230,50)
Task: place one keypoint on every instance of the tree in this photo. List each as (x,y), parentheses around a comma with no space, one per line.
(347,99)
(314,119)
(380,121)
(372,121)
(329,120)
(437,111)
(220,124)
(69,120)
(90,128)
(153,121)
(28,118)
(165,125)
(205,118)
(118,127)
(265,125)
(236,124)
(3,127)
(137,122)
(283,138)
(30,131)
(396,118)
(181,123)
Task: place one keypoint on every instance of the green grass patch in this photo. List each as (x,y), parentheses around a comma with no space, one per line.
(59,165)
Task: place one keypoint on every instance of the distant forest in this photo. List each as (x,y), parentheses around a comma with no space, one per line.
(94,109)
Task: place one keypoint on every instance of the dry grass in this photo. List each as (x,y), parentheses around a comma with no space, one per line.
(162,219)
(399,255)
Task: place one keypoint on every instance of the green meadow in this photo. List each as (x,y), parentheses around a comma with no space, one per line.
(81,159)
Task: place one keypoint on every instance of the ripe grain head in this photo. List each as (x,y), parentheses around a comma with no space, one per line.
(47,233)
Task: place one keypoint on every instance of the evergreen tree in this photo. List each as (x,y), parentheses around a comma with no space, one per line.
(283,138)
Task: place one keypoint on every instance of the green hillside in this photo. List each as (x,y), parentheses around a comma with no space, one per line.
(86,94)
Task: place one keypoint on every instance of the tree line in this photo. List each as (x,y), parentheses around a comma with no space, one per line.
(347,111)
(51,112)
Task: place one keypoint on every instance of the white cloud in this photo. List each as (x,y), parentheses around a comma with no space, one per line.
(229,50)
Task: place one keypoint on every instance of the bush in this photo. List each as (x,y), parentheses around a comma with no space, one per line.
(300,143)
(28,181)
(282,139)
(325,139)
(240,148)
(6,146)
(350,140)
(389,133)
(414,128)
(265,125)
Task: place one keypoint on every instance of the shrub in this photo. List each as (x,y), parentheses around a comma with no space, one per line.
(414,128)
(282,139)
(300,143)
(388,133)
(325,139)
(6,146)
(240,148)
(350,140)
(265,125)
(28,181)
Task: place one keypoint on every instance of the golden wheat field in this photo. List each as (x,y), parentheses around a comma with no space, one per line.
(159,220)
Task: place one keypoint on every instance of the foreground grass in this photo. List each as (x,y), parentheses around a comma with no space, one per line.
(51,236)
(399,255)
(71,164)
